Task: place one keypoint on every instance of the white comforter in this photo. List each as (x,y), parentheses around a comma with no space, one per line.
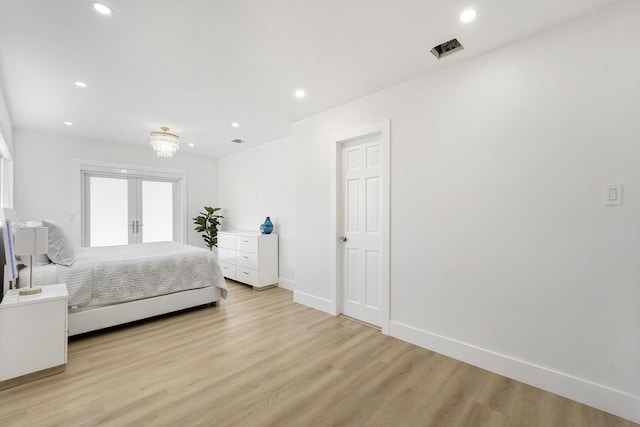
(114,274)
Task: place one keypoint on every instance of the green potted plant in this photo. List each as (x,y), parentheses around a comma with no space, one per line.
(207,223)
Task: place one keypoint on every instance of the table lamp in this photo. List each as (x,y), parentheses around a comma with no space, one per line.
(30,241)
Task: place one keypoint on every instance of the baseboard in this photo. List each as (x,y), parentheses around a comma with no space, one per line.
(313,301)
(616,402)
(286,284)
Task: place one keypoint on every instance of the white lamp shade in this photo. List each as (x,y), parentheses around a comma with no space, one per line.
(31,240)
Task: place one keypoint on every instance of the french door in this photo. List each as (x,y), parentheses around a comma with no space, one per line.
(119,210)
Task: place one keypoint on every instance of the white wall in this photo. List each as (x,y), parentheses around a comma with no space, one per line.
(502,252)
(5,123)
(257,183)
(44,175)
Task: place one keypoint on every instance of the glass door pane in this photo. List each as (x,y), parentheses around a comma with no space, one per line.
(108,211)
(157,211)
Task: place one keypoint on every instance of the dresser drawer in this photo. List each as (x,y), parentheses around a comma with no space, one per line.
(227,241)
(247,259)
(228,270)
(227,255)
(247,244)
(247,275)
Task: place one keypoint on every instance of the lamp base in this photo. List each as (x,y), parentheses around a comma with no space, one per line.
(30,291)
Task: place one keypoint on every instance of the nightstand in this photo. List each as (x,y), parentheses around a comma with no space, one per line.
(33,335)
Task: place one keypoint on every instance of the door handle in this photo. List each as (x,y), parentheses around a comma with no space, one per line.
(343,239)
(135,226)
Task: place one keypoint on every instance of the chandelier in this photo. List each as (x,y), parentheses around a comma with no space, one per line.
(165,144)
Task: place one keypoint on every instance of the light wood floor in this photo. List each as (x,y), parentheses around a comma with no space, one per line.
(259,359)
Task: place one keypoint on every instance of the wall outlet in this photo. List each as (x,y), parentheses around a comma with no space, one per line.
(613,194)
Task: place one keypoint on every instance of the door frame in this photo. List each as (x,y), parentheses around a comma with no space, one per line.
(81,167)
(383,129)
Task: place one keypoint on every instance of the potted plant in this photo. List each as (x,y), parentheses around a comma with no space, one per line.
(207,223)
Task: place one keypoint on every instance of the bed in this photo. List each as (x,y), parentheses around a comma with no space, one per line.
(114,285)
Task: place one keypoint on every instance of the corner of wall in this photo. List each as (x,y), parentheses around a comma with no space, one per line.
(313,301)
(287,284)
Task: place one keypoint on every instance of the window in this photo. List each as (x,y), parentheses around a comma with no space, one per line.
(6,174)
(123,204)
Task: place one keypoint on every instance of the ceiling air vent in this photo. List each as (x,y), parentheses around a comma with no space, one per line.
(238,141)
(447,48)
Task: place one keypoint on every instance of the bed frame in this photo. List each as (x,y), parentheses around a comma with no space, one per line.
(92,319)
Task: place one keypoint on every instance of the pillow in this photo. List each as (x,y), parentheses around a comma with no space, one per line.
(60,249)
(41,260)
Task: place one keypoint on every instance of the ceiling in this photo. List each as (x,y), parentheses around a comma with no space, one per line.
(196,66)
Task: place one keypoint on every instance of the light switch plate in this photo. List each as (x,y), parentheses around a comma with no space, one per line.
(613,194)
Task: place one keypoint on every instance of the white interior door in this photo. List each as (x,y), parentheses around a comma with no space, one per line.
(361,225)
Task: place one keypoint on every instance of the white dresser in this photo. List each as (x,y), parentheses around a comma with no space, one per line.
(249,257)
(33,335)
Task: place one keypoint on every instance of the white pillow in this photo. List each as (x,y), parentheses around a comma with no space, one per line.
(41,260)
(60,249)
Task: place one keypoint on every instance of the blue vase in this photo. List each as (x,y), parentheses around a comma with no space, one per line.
(267,227)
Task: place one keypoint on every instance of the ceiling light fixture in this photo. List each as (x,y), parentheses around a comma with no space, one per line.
(68,123)
(81,84)
(467,15)
(299,93)
(192,145)
(165,144)
(102,8)
(235,124)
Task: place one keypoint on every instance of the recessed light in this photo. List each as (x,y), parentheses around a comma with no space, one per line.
(235,124)
(468,15)
(299,93)
(191,145)
(81,84)
(238,141)
(68,123)
(102,8)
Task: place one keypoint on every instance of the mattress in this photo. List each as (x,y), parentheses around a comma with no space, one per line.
(116,274)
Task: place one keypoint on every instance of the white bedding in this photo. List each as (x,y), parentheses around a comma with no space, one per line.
(115,274)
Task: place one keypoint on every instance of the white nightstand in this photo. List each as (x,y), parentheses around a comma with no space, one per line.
(33,335)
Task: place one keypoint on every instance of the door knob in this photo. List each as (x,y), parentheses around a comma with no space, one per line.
(343,239)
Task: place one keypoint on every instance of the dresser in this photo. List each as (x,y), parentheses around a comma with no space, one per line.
(33,335)
(249,257)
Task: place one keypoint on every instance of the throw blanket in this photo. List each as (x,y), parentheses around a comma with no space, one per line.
(114,274)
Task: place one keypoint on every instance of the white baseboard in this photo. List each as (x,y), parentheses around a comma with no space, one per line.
(313,301)
(616,402)
(286,284)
